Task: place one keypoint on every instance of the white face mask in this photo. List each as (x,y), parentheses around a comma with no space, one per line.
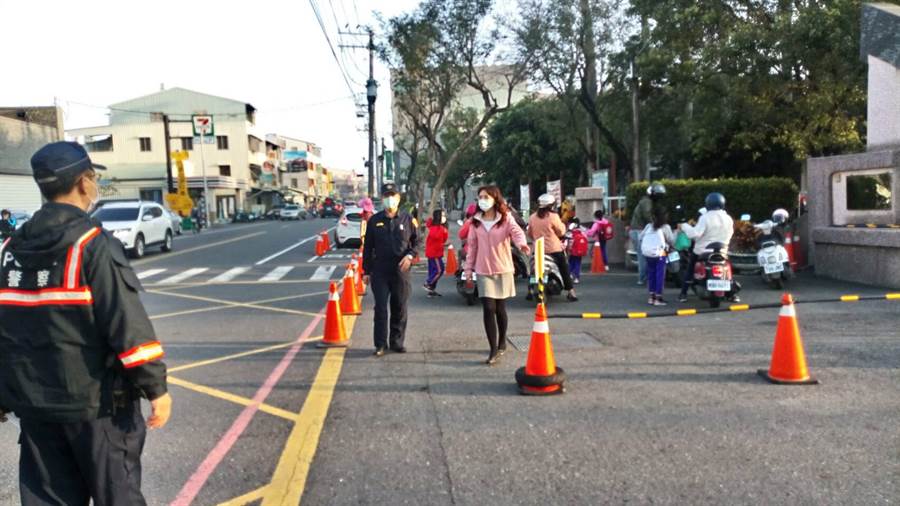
(95,200)
(485,204)
(392,202)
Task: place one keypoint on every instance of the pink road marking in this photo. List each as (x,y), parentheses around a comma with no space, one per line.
(211,462)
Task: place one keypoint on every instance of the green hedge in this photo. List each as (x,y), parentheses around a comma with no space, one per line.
(757,197)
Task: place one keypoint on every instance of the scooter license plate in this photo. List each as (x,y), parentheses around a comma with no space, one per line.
(674,257)
(718,285)
(773,268)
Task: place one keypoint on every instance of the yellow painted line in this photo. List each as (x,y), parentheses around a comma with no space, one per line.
(290,476)
(238,355)
(167,256)
(223,306)
(892,296)
(871,225)
(232,303)
(237,399)
(637,315)
(851,226)
(739,307)
(686,312)
(893,226)
(246,498)
(591,316)
(849,298)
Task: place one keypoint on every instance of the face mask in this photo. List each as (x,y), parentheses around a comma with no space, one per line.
(485,204)
(443,220)
(392,202)
(95,200)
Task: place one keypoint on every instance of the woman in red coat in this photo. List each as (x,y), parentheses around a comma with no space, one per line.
(434,250)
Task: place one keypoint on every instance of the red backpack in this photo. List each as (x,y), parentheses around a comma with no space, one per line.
(579,244)
(609,232)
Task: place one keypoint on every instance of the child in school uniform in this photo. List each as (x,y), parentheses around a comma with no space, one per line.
(577,248)
(656,241)
(434,250)
(603,231)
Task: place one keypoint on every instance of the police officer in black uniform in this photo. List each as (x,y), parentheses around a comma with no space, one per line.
(391,245)
(77,350)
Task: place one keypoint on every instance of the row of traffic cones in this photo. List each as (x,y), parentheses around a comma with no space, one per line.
(347,303)
(323,244)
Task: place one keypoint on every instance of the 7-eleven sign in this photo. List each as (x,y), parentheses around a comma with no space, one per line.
(203,125)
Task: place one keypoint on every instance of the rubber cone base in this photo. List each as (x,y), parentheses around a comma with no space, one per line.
(541,385)
(808,381)
(554,390)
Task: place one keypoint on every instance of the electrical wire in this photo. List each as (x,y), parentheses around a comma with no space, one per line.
(337,60)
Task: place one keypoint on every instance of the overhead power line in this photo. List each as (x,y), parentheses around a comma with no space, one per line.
(337,60)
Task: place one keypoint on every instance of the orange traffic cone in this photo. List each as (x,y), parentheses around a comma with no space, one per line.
(335,335)
(598,266)
(540,376)
(357,270)
(452,262)
(789,246)
(788,365)
(349,300)
(320,246)
(326,240)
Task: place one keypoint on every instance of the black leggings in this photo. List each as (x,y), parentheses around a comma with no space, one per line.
(495,319)
(563,263)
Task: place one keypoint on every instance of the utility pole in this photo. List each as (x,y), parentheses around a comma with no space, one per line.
(371,95)
(168,149)
(381,163)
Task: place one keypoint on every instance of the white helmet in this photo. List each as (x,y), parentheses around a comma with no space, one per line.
(780,216)
(546,200)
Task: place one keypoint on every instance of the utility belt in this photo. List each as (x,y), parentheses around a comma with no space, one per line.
(119,393)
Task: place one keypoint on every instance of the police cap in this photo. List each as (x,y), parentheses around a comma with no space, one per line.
(389,189)
(58,164)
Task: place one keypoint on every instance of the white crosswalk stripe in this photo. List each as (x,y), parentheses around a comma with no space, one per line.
(178,278)
(149,272)
(229,275)
(277,273)
(323,273)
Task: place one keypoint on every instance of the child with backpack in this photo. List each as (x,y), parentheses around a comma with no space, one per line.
(604,231)
(656,240)
(434,250)
(577,246)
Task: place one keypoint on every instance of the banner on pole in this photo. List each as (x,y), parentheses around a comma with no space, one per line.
(525,199)
(553,188)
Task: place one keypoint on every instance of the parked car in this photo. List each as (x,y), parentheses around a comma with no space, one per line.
(348,233)
(244,217)
(275,212)
(175,218)
(293,212)
(138,225)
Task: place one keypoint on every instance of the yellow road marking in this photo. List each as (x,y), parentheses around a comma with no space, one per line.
(290,476)
(237,399)
(592,316)
(246,498)
(238,355)
(892,296)
(739,307)
(218,307)
(849,298)
(637,315)
(686,312)
(232,303)
(167,256)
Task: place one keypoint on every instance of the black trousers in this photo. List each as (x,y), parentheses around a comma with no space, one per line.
(563,263)
(391,290)
(73,463)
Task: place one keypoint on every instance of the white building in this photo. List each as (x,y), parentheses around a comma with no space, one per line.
(24,130)
(132,147)
(303,172)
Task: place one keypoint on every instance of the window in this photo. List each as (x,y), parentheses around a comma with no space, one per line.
(156,211)
(254,144)
(151,194)
(224,170)
(222,141)
(145,143)
(117,214)
(294,182)
(97,143)
(870,192)
(187,143)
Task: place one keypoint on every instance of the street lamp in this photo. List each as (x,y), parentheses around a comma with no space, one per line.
(371,95)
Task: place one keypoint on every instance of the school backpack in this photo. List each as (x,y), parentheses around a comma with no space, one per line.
(608,231)
(653,242)
(579,244)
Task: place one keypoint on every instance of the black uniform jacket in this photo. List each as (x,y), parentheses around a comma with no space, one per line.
(71,323)
(388,240)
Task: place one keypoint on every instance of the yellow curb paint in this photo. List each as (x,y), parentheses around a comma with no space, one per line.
(191,250)
(591,316)
(739,307)
(289,480)
(849,298)
(637,315)
(892,296)
(686,312)
(246,498)
(237,399)
(238,355)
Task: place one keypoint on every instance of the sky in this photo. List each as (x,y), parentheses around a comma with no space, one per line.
(88,54)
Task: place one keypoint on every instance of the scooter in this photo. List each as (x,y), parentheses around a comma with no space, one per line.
(470,295)
(553,282)
(775,266)
(713,276)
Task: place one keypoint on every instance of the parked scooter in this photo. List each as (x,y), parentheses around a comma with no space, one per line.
(469,294)
(774,263)
(713,276)
(553,281)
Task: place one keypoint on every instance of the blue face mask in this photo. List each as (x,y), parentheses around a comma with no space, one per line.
(392,202)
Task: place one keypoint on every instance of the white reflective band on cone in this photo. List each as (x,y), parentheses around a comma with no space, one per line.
(542,327)
(788,310)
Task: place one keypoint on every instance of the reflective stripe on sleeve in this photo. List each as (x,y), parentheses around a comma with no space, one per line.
(142,354)
(73,259)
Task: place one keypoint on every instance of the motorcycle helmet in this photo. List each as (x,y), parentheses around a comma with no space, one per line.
(780,216)
(715,201)
(546,200)
(656,190)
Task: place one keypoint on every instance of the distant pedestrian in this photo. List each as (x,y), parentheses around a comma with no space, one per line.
(546,223)
(656,241)
(641,217)
(490,257)
(434,250)
(577,248)
(7,225)
(604,231)
(464,229)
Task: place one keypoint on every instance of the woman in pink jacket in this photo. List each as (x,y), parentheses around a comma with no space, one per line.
(490,257)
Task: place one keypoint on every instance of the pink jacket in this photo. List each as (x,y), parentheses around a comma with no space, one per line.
(551,228)
(489,251)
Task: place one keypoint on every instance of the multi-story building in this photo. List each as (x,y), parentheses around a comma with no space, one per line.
(302,172)
(232,159)
(24,130)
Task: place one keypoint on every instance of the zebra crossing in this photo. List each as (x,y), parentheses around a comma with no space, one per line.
(240,274)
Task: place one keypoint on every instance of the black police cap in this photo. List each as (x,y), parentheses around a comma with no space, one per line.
(389,188)
(59,163)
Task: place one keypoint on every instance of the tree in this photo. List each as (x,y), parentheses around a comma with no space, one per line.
(436,52)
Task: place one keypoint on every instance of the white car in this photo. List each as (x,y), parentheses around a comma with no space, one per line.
(176,220)
(348,230)
(137,224)
(291,212)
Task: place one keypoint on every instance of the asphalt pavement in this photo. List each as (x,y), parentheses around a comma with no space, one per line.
(661,410)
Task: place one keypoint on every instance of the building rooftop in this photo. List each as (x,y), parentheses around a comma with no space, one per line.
(881,32)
